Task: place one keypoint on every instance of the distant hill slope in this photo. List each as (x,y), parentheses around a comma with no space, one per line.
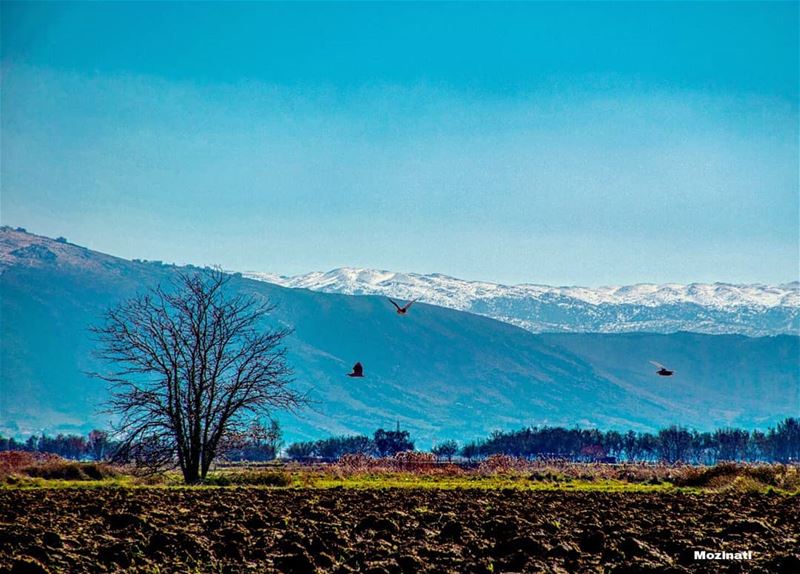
(718,308)
(441,373)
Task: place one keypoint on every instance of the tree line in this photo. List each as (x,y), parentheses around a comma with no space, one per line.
(673,444)
(257,442)
(382,443)
(95,446)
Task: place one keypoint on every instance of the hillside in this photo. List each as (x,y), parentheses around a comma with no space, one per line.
(718,308)
(441,373)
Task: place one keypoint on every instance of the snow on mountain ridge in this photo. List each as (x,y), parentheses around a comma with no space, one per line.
(754,310)
(449,291)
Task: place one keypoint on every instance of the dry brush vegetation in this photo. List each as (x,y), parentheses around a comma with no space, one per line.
(413,469)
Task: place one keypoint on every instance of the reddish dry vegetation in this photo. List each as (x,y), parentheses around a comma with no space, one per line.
(16,464)
(391,531)
(738,476)
(12,461)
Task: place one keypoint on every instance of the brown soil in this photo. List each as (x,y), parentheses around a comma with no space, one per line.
(391,531)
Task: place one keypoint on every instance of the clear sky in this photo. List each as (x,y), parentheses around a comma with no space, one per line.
(552,143)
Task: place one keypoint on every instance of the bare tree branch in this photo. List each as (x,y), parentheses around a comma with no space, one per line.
(189,365)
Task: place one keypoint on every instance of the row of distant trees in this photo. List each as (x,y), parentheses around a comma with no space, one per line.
(671,445)
(382,443)
(94,446)
(258,442)
(674,444)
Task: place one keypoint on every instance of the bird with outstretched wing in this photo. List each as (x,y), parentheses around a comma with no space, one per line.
(404,309)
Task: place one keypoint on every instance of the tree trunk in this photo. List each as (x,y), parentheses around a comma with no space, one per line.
(191,468)
(191,473)
(209,453)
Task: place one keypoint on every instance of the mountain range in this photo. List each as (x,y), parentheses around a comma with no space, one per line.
(438,372)
(716,308)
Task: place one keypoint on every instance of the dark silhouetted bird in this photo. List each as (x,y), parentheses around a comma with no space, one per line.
(404,309)
(662,370)
(358,371)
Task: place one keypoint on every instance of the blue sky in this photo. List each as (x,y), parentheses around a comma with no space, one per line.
(548,142)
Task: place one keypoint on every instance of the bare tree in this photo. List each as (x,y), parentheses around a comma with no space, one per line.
(674,444)
(447,449)
(190,364)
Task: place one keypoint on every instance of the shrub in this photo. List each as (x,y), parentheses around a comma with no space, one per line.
(744,484)
(56,471)
(413,460)
(217,480)
(152,479)
(355,462)
(790,478)
(547,474)
(96,471)
(740,477)
(250,478)
(10,480)
(262,478)
(14,460)
(62,470)
(500,463)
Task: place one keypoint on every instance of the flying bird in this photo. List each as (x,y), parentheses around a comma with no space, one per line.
(662,370)
(404,309)
(358,371)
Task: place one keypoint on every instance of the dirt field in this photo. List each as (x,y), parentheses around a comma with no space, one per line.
(393,530)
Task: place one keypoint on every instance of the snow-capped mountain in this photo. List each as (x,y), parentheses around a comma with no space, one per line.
(704,308)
